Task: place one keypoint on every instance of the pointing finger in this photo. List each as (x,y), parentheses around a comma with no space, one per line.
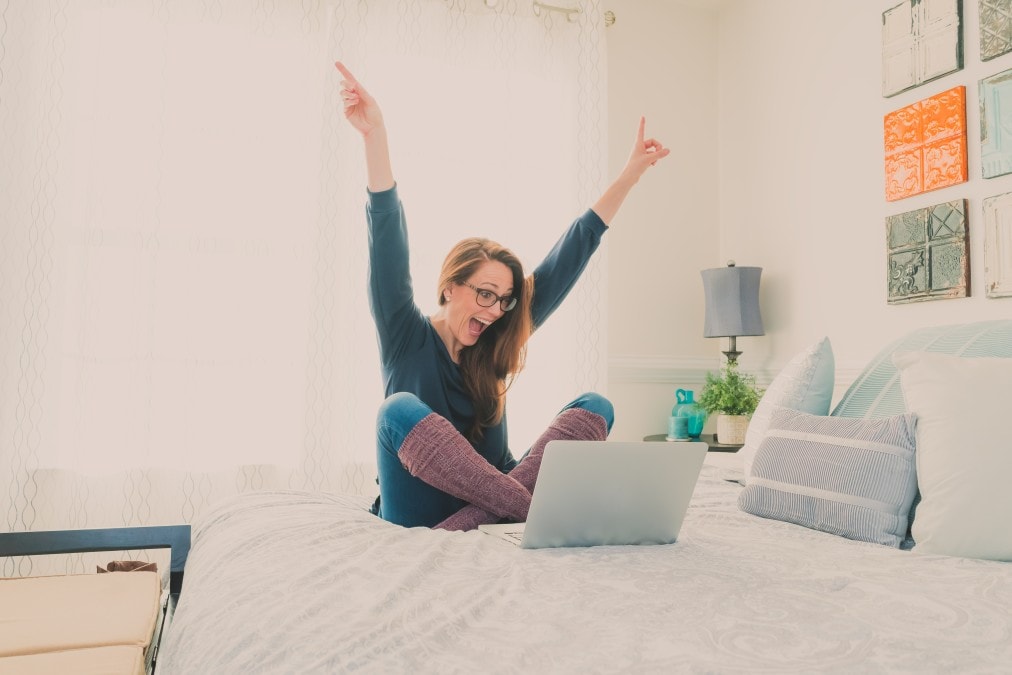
(346,73)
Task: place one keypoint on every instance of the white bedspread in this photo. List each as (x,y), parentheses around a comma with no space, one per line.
(307,583)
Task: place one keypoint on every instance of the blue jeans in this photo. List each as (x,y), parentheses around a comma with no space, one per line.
(409,501)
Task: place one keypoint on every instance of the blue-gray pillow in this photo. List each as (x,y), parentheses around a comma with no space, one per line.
(851,477)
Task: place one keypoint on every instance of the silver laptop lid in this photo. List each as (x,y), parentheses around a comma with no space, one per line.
(611,492)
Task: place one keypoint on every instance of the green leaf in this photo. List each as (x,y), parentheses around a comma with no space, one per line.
(730,392)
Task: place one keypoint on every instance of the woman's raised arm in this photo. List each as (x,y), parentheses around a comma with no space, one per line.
(645,154)
(362,111)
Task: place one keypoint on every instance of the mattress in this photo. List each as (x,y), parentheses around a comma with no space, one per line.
(286,582)
(77,611)
(107,660)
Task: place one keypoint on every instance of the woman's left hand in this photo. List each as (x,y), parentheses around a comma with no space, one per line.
(645,153)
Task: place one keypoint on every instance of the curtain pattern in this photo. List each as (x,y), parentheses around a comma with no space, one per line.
(182,235)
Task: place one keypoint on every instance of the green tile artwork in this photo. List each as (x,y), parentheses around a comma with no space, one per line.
(927,254)
(995,28)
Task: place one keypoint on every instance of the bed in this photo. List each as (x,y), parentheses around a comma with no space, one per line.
(292,582)
(295,582)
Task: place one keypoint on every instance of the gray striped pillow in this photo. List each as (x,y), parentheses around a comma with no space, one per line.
(850,477)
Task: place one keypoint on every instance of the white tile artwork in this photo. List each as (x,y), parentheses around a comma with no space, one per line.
(998,246)
(921,41)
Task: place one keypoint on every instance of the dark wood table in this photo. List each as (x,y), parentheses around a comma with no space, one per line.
(711,442)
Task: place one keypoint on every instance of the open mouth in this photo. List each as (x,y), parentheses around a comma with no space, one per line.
(477,326)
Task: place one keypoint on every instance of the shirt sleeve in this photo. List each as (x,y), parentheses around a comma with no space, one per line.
(399,321)
(555,277)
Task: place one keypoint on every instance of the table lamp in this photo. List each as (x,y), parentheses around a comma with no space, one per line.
(732,304)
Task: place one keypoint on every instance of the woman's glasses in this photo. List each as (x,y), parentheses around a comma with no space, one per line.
(487,298)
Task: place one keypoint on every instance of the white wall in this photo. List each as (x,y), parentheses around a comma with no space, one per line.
(661,64)
(774,110)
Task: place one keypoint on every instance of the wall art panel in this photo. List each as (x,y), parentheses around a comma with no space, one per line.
(925,145)
(921,40)
(998,246)
(996,124)
(927,254)
(995,28)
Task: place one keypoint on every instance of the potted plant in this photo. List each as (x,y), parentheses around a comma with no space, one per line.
(733,395)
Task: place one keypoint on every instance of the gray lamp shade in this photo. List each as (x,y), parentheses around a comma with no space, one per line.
(732,301)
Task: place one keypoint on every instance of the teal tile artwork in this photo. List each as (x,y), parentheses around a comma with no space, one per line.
(927,255)
(995,28)
(996,124)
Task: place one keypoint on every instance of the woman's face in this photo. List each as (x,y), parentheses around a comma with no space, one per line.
(466,318)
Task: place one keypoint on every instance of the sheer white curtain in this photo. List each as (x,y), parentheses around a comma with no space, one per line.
(182,233)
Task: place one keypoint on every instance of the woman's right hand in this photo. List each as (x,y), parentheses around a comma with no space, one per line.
(360,108)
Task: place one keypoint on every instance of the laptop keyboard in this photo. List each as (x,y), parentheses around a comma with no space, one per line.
(514,535)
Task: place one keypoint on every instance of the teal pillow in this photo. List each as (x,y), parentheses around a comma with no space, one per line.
(876,391)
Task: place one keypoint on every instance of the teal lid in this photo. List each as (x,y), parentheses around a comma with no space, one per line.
(684,396)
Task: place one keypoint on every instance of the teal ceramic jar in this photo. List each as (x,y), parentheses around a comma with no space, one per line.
(687,407)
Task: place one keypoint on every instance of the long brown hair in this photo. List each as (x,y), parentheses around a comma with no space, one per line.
(489,366)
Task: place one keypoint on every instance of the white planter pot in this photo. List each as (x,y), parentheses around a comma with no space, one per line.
(731,429)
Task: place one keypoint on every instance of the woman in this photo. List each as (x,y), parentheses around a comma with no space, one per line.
(442,449)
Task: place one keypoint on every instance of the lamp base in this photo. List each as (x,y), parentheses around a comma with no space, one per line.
(732,352)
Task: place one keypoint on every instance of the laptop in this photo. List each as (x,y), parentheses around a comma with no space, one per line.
(593,493)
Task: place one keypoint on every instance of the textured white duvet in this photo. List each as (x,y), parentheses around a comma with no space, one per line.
(294,582)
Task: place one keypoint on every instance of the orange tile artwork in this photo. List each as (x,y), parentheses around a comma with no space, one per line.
(925,145)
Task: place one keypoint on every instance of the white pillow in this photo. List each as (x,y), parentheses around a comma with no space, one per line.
(964,452)
(805,384)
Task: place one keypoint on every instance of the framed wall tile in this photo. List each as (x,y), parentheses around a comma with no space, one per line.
(996,124)
(925,145)
(998,246)
(927,256)
(921,40)
(995,28)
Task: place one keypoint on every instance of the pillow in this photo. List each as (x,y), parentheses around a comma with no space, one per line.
(843,475)
(876,391)
(805,383)
(964,452)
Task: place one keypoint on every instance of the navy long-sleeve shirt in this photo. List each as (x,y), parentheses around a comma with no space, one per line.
(413,357)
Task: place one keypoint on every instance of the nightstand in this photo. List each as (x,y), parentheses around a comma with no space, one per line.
(713,446)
